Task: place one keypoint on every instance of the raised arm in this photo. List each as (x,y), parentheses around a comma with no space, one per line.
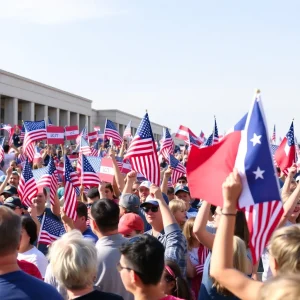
(166,176)
(118,175)
(203,236)
(221,267)
(130,179)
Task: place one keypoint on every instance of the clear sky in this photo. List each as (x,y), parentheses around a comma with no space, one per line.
(184,61)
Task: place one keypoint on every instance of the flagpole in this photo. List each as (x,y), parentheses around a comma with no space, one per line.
(41,227)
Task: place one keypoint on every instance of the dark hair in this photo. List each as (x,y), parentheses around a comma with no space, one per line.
(241,228)
(10,231)
(170,191)
(106,213)
(93,193)
(6,148)
(109,186)
(82,210)
(181,288)
(182,178)
(45,192)
(29,225)
(213,209)
(144,254)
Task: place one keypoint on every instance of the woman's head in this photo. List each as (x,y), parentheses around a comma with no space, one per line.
(239,262)
(188,232)
(29,231)
(284,250)
(173,283)
(178,209)
(73,261)
(281,287)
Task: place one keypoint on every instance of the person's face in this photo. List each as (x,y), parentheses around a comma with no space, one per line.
(184,196)
(40,200)
(182,182)
(296,211)
(180,216)
(18,210)
(109,194)
(14,180)
(135,189)
(143,193)
(217,215)
(171,196)
(152,213)
(166,284)
(79,223)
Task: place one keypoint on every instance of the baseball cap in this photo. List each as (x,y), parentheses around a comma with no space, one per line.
(10,189)
(146,184)
(13,202)
(2,178)
(130,222)
(181,188)
(131,202)
(150,200)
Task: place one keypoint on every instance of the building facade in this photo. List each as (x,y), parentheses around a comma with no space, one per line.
(22,99)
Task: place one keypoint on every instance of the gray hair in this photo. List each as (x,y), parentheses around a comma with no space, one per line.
(73,260)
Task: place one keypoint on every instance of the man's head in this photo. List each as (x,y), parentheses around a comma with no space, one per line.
(144,190)
(142,263)
(15,204)
(182,180)
(10,231)
(14,179)
(109,192)
(135,188)
(82,216)
(105,217)
(130,225)
(152,213)
(129,203)
(40,200)
(182,192)
(170,193)
(9,191)
(93,194)
(6,148)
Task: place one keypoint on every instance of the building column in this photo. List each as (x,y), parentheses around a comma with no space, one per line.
(28,111)
(82,122)
(63,118)
(41,113)
(87,125)
(53,114)
(74,119)
(11,111)
(68,116)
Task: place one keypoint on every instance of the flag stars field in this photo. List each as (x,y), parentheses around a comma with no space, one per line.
(259,173)
(256,139)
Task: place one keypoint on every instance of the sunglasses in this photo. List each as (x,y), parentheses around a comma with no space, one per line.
(152,208)
(89,205)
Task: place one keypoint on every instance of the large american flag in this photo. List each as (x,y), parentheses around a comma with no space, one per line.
(167,145)
(51,230)
(111,131)
(27,188)
(71,181)
(88,175)
(84,147)
(178,169)
(142,152)
(49,179)
(2,140)
(127,131)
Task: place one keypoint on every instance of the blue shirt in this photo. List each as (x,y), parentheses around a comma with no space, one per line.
(88,233)
(19,285)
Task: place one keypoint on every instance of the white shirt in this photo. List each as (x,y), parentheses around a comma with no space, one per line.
(36,257)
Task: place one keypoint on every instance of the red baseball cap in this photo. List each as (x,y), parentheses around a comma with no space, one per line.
(130,222)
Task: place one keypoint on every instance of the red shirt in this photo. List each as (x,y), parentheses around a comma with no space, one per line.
(29,268)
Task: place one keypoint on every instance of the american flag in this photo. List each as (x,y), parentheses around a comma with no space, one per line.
(119,162)
(95,162)
(216,133)
(10,131)
(21,159)
(89,177)
(193,141)
(142,152)
(202,137)
(38,173)
(49,179)
(178,169)
(167,145)
(83,134)
(50,122)
(209,141)
(2,140)
(84,147)
(273,150)
(184,133)
(127,131)
(71,181)
(37,155)
(22,135)
(29,151)
(95,149)
(51,230)
(111,131)
(27,188)
(273,139)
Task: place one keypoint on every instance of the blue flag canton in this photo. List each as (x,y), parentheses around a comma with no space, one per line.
(38,173)
(86,165)
(144,130)
(290,136)
(240,125)
(110,125)
(216,133)
(259,168)
(2,140)
(83,142)
(27,172)
(209,141)
(34,125)
(51,166)
(173,162)
(68,169)
(168,135)
(95,162)
(49,121)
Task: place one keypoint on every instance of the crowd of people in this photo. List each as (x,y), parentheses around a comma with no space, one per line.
(135,240)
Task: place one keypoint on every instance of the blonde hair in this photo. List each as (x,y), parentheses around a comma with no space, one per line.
(285,249)
(188,232)
(73,260)
(280,287)
(177,204)
(239,263)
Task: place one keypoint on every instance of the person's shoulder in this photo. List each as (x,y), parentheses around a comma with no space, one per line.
(107,296)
